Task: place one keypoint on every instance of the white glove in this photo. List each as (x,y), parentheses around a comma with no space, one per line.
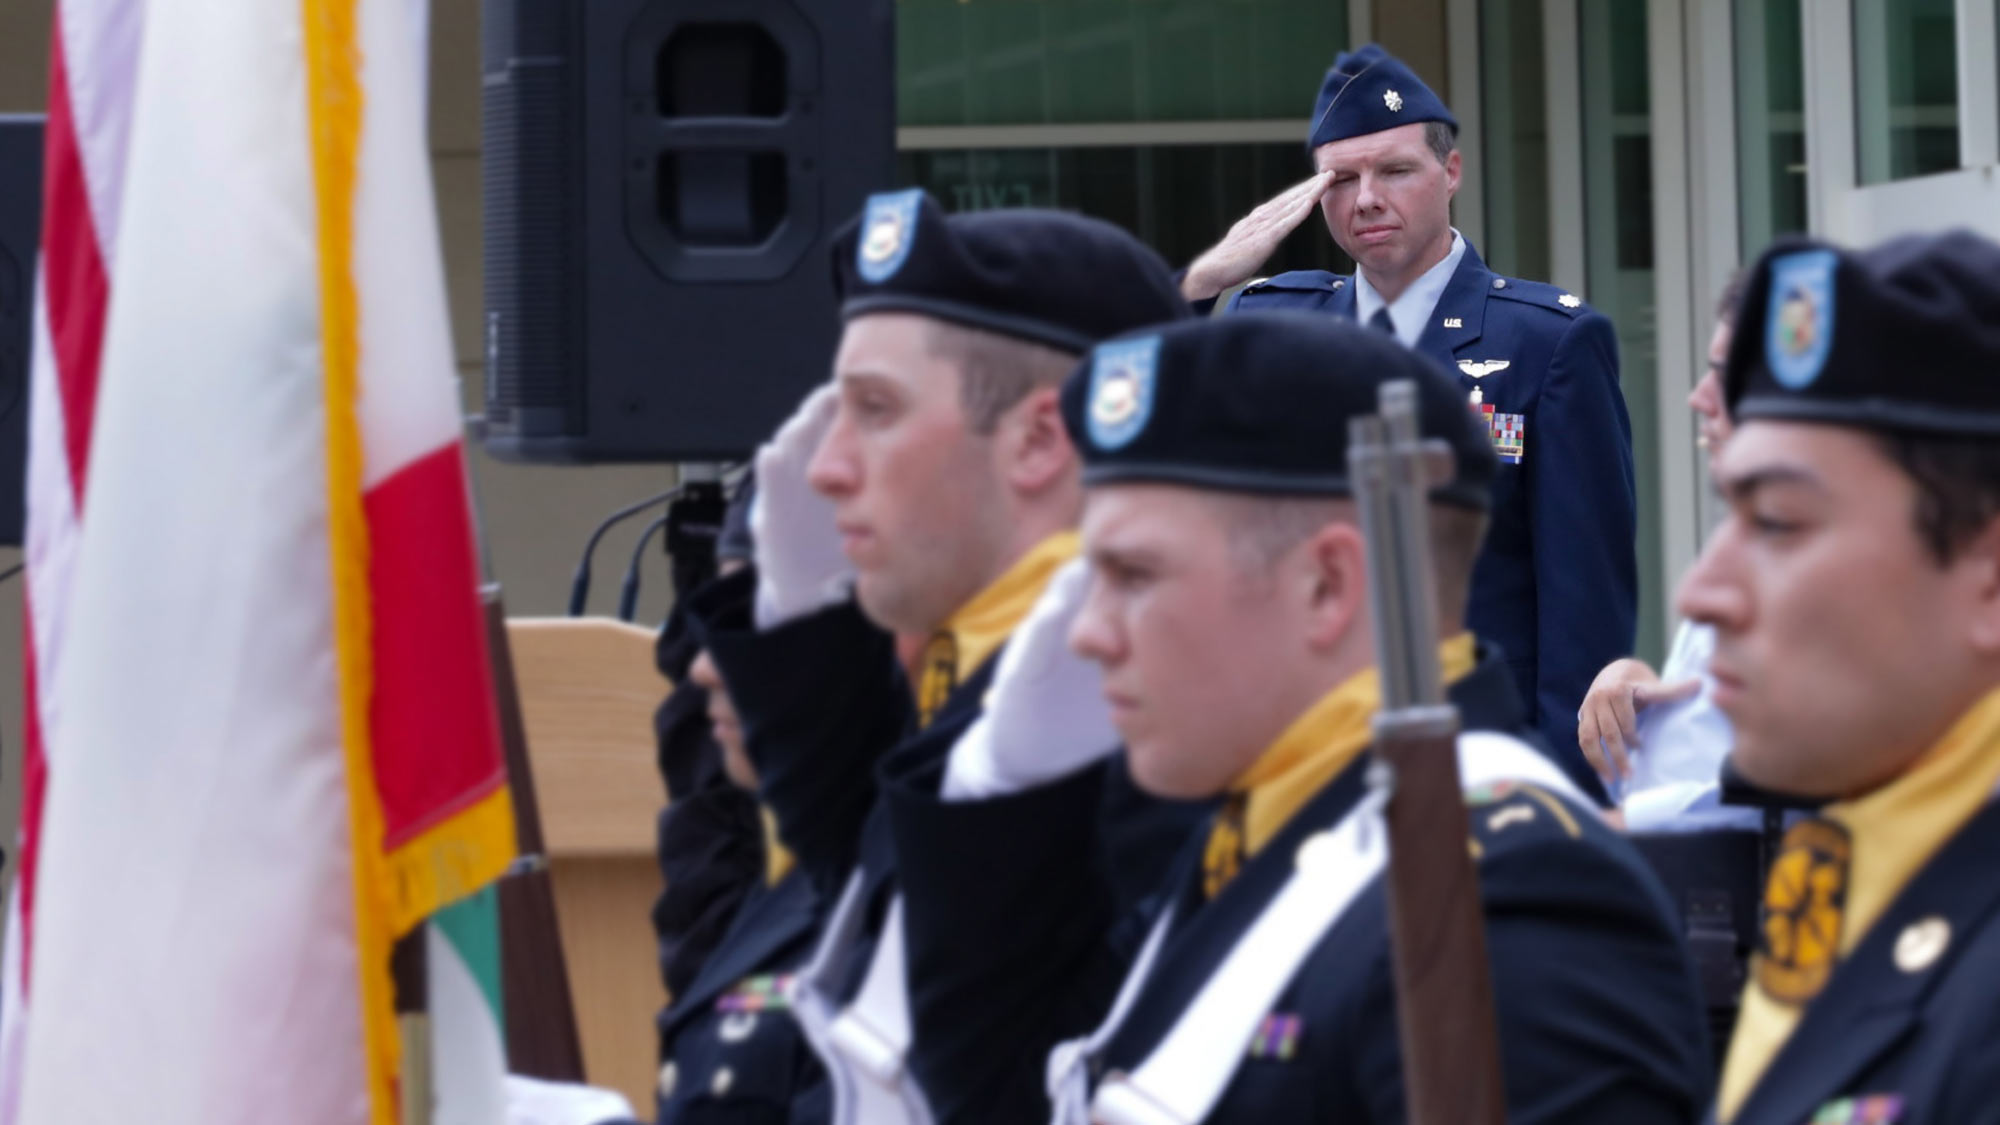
(532,1101)
(800,566)
(1046,716)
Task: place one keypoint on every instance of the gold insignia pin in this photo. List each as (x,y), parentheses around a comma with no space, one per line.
(1921,943)
(1569,300)
(1803,902)
(1393,100)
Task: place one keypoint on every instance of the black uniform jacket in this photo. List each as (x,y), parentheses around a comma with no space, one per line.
(1557,583)
(1914,1027)
(727,1060)
(823,701)
(1013,947)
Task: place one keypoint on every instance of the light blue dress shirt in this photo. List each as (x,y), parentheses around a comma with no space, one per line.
(1412,310)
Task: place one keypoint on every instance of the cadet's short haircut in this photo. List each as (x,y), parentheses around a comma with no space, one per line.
(1262,528)
(1442,139)
(996,372)
(1958,487)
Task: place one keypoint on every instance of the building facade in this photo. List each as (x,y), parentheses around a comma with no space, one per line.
(1633,151)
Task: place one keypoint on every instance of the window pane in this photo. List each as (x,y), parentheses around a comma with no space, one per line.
(1906,88)
(1179,199)
(1069,61)
(1618,252)
(1515,117)
(1770,121)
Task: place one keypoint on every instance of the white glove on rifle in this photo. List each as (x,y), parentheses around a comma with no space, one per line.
(1046,716)
(800,566)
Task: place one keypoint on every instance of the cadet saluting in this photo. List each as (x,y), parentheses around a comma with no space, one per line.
(1226,602)
(1855,594)
(1557,586)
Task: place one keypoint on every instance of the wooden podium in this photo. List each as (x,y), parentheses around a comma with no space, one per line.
(588,690)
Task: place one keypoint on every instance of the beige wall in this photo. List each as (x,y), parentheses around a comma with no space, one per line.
(536,518)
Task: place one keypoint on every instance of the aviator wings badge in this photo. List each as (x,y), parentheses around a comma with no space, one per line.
(1481,368)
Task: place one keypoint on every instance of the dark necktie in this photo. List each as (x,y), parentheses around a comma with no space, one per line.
(1381,322)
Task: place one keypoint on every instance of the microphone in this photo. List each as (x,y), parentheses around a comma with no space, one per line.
(628,593)
(692,522)
(579,586)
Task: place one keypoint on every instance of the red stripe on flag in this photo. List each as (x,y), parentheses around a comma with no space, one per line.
(34,787)
(72,269)
(436,729)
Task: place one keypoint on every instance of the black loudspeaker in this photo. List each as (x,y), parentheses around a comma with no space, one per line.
(662,180)
(20,239)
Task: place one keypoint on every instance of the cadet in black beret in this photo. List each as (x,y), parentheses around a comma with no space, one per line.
(1854,590)
(1224,605)
(1558,588)
(921,500)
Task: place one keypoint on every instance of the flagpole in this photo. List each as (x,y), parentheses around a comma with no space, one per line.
(540,1015)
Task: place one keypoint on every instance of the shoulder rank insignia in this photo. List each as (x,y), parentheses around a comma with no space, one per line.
(1481,368)
(1803,902)
(1509,432)
(1874,1109)
(1570,301)
(769,993)
(1277,1037)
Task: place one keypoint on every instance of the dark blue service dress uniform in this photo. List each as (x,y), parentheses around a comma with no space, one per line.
(1556,586)
(734,1053)
(1907,1029)
(1015,945)
(823,702)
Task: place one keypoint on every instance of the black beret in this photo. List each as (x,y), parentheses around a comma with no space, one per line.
(1370,90)
(1904,335)
(1047,276)
(1259,402)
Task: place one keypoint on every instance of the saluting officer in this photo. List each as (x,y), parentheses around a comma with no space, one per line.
(929,491)
(1854,590)
(1225,601)
(1557,587)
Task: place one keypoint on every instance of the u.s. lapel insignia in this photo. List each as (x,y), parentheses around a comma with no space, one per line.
(1480,368)
(1454,322)
(1803,903)
(1921,943)
(1277,1037)
(1873,1109)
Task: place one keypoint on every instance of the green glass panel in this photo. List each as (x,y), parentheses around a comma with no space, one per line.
(1515,117)
(1905,88)
(1618,249)
(1179,199)
(1032,62)
(1770,121)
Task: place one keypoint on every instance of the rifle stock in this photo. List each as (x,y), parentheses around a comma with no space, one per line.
(1444,991)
